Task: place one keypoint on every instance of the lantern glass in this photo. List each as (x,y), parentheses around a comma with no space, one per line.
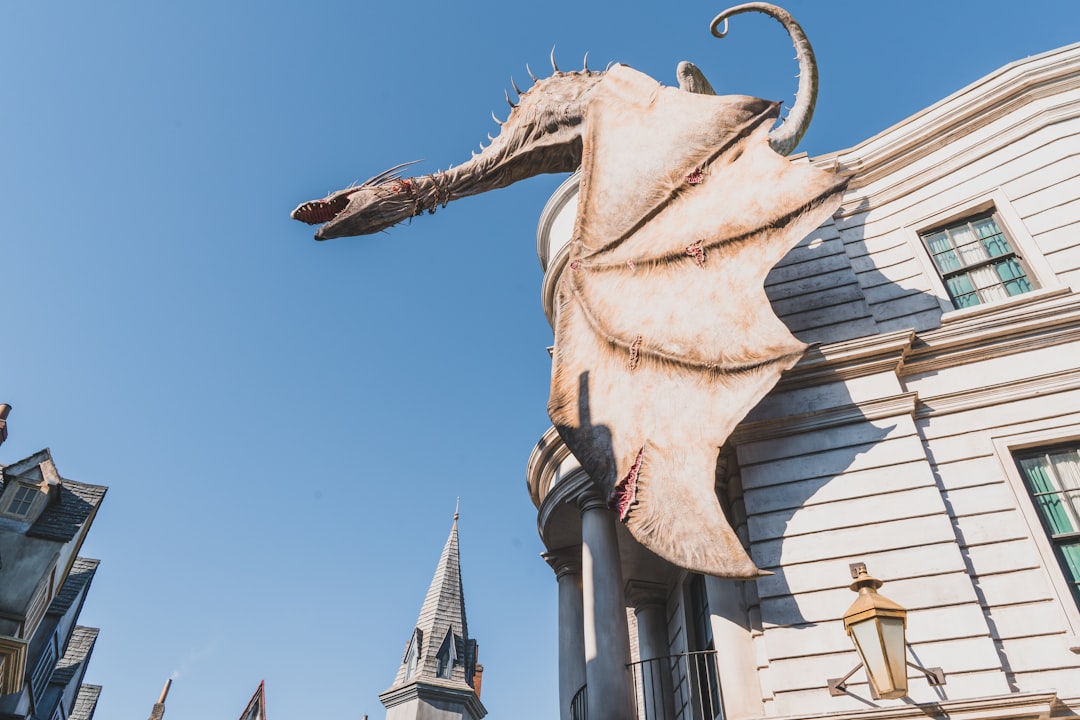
(880,642)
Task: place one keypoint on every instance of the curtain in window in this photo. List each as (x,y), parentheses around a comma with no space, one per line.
(1054,481)
(968,245)
(941,249)
(992,238)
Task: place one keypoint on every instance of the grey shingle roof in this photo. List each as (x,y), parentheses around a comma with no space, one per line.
(82,572)
(62,520)
(85,703)
(78,652)
(443,611)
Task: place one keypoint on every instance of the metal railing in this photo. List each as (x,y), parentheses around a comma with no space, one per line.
(677,687)
(579,707)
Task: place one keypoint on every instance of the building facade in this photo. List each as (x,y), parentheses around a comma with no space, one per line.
(931,432)
(44,652)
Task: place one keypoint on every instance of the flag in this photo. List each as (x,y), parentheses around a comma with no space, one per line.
(256,708)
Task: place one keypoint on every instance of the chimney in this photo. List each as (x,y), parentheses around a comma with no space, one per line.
(159,707)
(478,674)
(4,410)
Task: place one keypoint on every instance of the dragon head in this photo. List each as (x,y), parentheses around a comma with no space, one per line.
(370,207)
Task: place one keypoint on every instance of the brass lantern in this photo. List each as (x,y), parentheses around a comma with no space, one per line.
(876,625)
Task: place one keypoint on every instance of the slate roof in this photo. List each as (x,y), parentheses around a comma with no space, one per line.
(82,572)
(62,520)
(78,652)
(85,703)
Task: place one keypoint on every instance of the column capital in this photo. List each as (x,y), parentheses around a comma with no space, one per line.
(564,561)
(641,594)
(590,500)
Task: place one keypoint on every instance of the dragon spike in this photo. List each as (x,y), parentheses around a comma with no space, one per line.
(489,137)
(497,120)
(585,65)
(516,88)
(528,70)
(553,65)
(391,174)
(508,100)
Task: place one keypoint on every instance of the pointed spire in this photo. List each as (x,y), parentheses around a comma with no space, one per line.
(440,657)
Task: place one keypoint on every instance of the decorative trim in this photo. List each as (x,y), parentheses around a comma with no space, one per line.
(544,462)
(1014,706)
(837,362)
(989,395)
(438,690)
(641,594)
(565,561)
(14,653)
(988,99)
(1045,321)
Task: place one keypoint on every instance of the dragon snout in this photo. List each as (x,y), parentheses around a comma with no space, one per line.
(316,212)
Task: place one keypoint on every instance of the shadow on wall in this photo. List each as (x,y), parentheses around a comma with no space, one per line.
(813,500)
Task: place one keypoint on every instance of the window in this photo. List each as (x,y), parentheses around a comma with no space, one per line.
(1052,476)
(446,657)
(977,262)
(412,653)
(22,500)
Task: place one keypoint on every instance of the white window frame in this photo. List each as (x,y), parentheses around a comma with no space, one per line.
(1042,276)
(1006,447)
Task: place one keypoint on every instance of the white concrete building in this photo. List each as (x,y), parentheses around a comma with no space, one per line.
(931,432)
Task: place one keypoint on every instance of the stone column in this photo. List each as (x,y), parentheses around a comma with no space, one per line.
(566,562)
(649,601)
(607,641)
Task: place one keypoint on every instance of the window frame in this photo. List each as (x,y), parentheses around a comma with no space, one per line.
(989,262)
(1007,449)
(1045,282)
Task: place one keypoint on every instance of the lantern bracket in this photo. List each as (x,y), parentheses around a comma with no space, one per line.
(838,686)
(935,677)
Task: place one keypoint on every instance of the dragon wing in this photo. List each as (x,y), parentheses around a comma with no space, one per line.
(664,337)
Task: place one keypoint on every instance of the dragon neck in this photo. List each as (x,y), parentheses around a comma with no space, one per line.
(543,134)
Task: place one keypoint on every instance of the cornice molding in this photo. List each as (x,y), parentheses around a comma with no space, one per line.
(1051,319)
(544,462)
(1014,706)
(841,361)
(436,690)
(973,107)
(988,395)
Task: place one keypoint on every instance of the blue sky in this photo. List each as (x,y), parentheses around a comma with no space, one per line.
(285,425)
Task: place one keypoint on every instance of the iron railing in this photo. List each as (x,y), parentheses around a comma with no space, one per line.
(579,708)
(678,687)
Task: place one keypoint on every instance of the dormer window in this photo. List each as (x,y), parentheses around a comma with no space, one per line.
(447,656)
(412,654)
(19,502)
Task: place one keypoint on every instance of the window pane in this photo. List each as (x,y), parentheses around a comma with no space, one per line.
(992,238)
(1070,561)
(942,251)
(968,245)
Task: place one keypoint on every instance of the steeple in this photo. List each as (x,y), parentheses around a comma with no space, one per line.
(439,667)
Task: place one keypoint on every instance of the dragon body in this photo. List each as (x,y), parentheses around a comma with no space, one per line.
(664,338)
